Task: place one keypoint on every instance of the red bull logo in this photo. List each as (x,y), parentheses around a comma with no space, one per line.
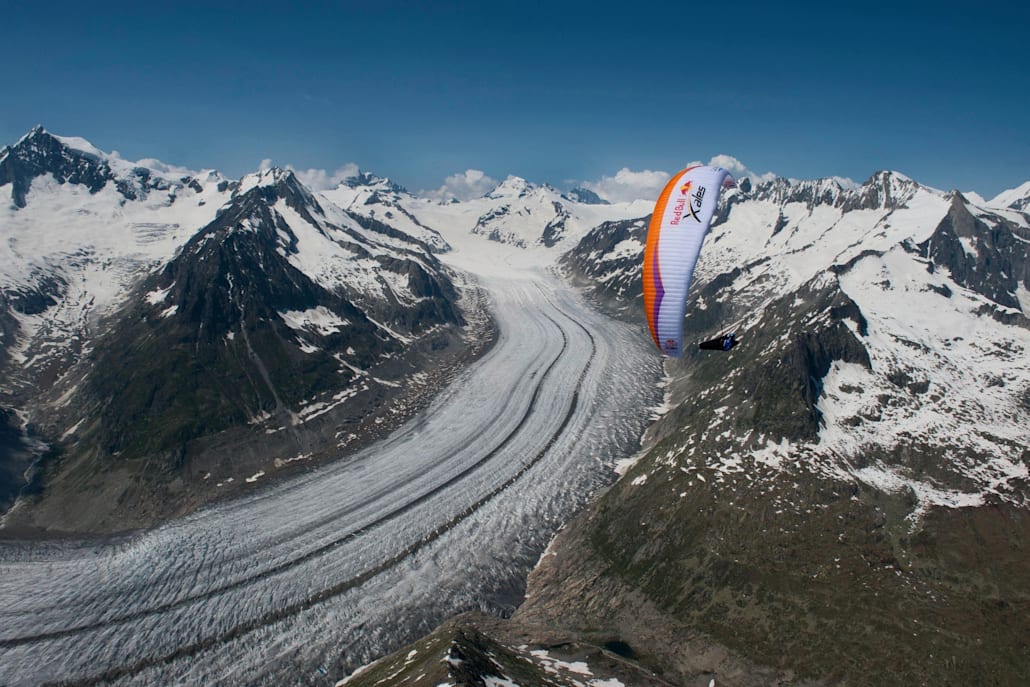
(687,204)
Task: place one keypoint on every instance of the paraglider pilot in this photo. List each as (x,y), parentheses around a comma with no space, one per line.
(722,343)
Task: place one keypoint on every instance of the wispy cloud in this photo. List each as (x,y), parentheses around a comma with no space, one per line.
(738,169)
(628,185)
(472,183)
(322,180)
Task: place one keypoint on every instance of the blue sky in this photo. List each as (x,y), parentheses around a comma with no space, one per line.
(550,91)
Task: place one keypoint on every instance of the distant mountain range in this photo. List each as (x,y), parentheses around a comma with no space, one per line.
(843,498)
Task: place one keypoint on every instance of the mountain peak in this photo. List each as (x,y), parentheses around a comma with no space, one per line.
(68,160)
(512,187)
(884,189)
(887,174)
(827,191)
(74,160)
(585,196)
(35,131)
(270,185)
(39,136)
(33,137)
(269,176)
(372,180)
(1016,198)
(958,199)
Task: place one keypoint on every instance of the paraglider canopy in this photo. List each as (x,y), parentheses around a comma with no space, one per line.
(678,227)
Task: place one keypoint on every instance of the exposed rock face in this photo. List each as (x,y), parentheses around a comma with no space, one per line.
(222,297)
(607,262)
(485,226)
(554,231)
(475,649)
(15,447)
(378,204)
(785,378)
(883,190)
(40,153)
(586,196)
(986,255)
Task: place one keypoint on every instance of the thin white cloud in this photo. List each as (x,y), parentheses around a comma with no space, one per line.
(164,167)
(738,169)
(322,180)
(265,165)
(627,185)
(472,183)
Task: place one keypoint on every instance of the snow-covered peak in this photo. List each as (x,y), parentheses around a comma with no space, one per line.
(379,200)
(812,192)
(42,142)
(933,351)
(79,144)
(269,186)
(76,161)
(272,176)
(38,129)
(585,196)
(79,216)
(37,135)
(897,182)
(975,198)
(1017,198)
(846,183)
(512,187)
(888,189)
(884,189)
(39,139)
(371,181)
(39,147)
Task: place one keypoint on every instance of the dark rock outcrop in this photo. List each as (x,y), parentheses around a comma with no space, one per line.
(990,259)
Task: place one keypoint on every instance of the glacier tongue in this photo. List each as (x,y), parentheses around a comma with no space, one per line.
(351,560)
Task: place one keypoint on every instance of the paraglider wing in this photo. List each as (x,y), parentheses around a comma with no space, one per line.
(678,228)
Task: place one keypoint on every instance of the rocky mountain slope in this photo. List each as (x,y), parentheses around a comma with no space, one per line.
(151,323)
(378,199)
(843,498)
